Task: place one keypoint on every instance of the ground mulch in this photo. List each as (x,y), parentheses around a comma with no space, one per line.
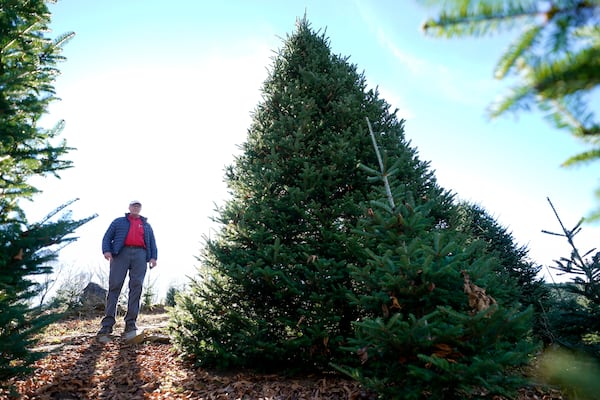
(78,366)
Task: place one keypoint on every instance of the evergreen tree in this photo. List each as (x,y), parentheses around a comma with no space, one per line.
(574,315)
(27,72)
(171,297)
(273,289)
(432,329)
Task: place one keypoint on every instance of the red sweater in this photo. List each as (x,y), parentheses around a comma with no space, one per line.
(135,236)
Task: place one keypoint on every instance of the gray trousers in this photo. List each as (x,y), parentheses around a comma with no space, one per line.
(132,260)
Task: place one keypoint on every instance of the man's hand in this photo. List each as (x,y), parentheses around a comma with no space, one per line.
(108,255)
(152,263)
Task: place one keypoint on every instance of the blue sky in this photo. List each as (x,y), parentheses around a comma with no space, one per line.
(158,95)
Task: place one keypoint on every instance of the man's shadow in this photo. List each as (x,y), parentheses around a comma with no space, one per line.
(125,381)
(78,377)
(98,370)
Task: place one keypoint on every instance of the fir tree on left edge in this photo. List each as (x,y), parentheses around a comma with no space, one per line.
(27,73)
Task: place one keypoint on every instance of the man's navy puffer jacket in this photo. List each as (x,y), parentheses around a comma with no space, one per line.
(114,238)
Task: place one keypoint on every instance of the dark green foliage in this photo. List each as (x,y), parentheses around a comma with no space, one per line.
(574,313)
(273,289)
(27,72)
(422,338)
(26,251)
(513,265)
(572,320)
(171,298)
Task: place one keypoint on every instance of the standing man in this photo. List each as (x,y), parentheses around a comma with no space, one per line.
(128,244)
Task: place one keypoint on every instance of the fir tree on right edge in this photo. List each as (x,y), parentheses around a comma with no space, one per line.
(431,331)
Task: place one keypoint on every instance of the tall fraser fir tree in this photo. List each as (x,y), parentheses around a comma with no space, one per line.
(438,322)
(273,287)
(27,73)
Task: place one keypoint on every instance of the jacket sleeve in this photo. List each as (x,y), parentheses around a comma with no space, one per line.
(152,244)
(108,239)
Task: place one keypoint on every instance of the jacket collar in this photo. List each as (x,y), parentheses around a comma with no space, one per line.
(142,217)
